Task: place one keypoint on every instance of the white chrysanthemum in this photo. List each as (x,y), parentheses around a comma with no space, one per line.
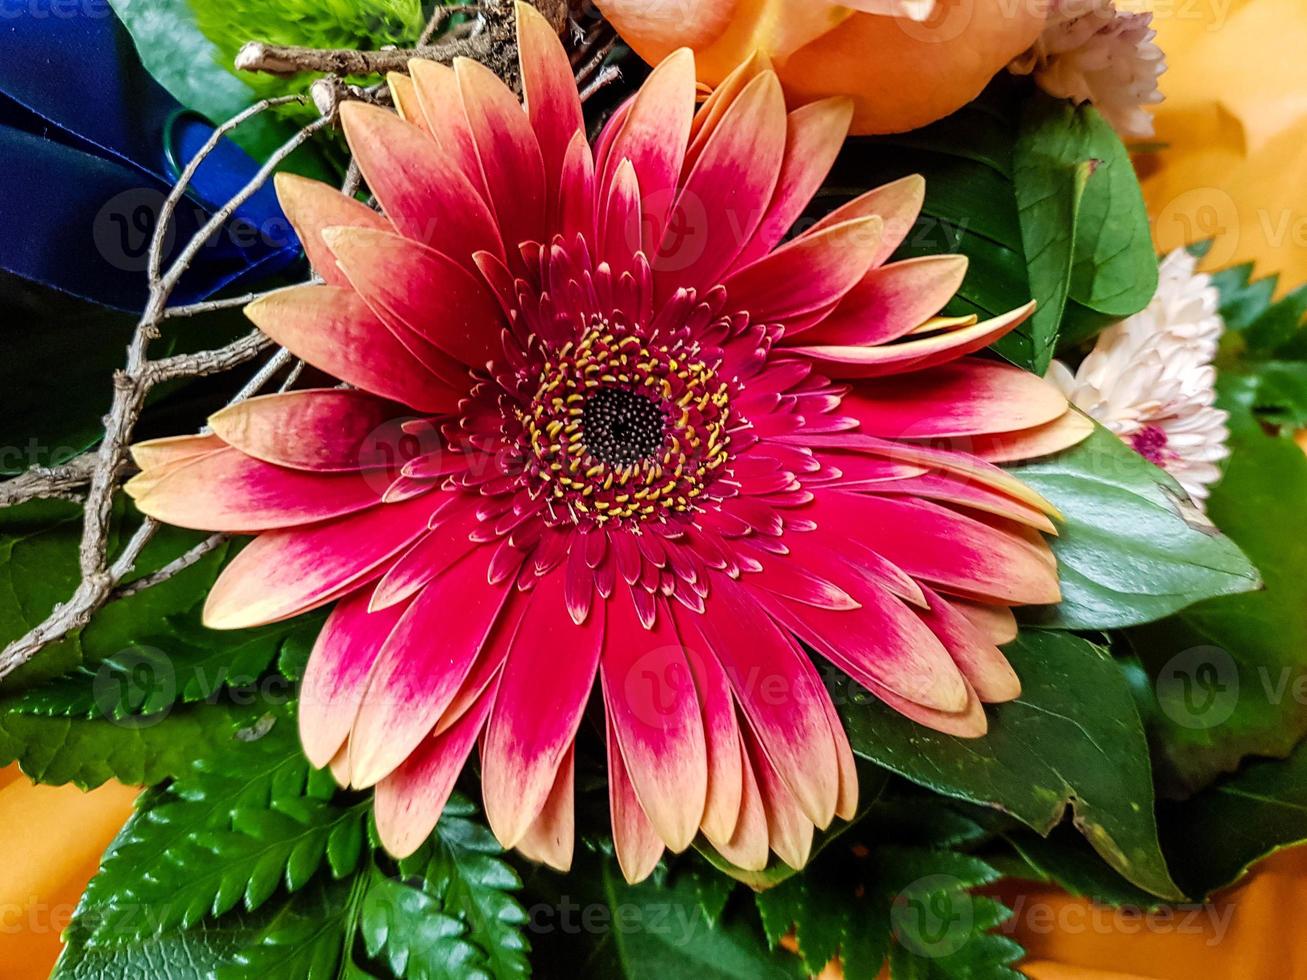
(1150,378)
(1092,52)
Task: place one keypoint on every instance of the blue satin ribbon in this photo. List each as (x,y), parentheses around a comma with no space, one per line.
(90,145)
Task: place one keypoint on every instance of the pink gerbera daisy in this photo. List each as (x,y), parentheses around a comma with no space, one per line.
(591,428)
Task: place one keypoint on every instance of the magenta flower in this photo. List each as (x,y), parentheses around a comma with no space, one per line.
(593,428)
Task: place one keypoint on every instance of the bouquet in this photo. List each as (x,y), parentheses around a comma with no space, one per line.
(637,490)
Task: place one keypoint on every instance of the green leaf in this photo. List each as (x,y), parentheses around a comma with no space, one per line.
(1009,179)
(912,904)
(246,820)
(1229,676)
(1132,548)
(1213,838)
(463,867)
(404,925)
(591,924)
(1073,738)
(1065,859)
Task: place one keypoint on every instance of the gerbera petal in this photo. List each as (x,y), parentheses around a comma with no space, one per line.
(918,353)
(311,206)
(409,801)
(538,709)
(721,730)
(897,203)
(748,847)
(954,552)
(808,274)
(284,573)
(416,675)
(156,453)
(967,493)
(779,692)
(576,191)
(229,491)
(996,623)
(508,151)
(319,429)
(653,709)
(337,674)
(423,192)
(971,722)
(964,398)
(1065,431)
(429,293)
(551,837)
(549,89)
(985,668)
(332,328)
(653,136)
(890,301)
(636,843)
(727,192)
(814,135)
(442,109)
(405,96)
(789,829)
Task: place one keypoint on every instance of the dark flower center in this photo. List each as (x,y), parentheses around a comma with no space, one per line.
(622,427)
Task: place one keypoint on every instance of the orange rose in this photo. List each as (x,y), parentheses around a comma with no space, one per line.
(904,62)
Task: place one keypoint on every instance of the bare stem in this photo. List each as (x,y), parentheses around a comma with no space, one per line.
(44,482)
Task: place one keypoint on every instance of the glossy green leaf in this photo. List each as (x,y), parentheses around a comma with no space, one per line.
(1131,547)
(1072,739)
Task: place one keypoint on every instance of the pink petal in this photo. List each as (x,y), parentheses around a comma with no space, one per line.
(318,429)
(779,692)
(985,668)
(427,292)
(407,804)
(171,450)
(538,710)
(654,711)
(748,847)
(653,136)
(968,723)
(405,96)
(965,493)
(727,191)
(229,491)
(814,136)
(422,665)
(1067,430)
(890,301)
(337,674)
(916,354)
(422,191)
(635,841)
(576,191)
(789,829)
(552,836)
(721,730)
(808,274)
(510,156)
(964,398)
(284,573)
(442,109)
(312,206)
(897,204)
(995,623)
(549,88)
(333,329)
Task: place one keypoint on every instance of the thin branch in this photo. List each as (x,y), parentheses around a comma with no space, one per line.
(45,482)
(610,74)
(178,564)
(211,305)
(285,59)
(206,362)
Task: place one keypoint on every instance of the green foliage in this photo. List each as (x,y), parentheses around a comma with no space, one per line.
(1227,678)
(1073,738)
(904,894)
(1131,548)
(464,871)
(1213,838)
(253,863)
(593,926)
(1041,198)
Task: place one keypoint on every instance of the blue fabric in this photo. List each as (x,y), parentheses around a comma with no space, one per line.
(89,147)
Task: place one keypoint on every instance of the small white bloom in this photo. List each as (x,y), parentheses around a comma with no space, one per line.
(1150,378)
(1091,52)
